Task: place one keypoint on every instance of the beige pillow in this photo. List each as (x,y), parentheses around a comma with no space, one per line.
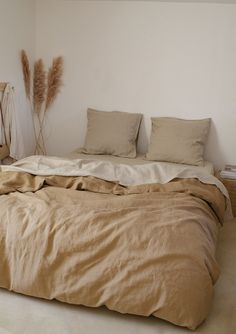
(112,133)
(178,140)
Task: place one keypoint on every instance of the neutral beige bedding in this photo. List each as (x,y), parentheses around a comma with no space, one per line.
(178,140)
(112,133)
(37,316)
(144,249)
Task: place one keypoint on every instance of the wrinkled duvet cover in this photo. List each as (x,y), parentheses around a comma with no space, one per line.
(144,249)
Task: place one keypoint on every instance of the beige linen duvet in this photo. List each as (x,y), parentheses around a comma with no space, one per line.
(145,249)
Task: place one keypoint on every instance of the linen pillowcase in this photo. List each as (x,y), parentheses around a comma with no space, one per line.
(113,133)
(178,140)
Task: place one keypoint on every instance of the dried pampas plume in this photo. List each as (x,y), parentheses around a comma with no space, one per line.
(39,85)
(44,93)
(26,72)
(54,81)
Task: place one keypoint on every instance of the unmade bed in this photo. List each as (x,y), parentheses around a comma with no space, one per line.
(139,239)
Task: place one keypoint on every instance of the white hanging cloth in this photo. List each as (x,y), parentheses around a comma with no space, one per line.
(14,139)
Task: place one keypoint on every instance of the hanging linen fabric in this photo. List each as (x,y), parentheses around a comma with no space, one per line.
(9,138)
(4,149)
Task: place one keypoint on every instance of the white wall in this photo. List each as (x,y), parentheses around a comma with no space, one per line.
(17,22)
(156,58)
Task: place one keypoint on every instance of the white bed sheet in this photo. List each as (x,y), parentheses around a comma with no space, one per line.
(139,160)
(27,315)
(106,168)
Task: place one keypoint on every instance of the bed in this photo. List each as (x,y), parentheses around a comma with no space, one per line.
(138,237)
(104,228)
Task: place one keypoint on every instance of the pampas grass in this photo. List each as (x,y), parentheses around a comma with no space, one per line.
(44,92)
(39,85)
(26,72)
(54,81)
(39,90)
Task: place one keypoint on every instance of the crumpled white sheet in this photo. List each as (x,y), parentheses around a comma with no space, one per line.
(127,175)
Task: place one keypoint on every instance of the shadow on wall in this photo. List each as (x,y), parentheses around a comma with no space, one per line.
(214,151)
(143,138)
